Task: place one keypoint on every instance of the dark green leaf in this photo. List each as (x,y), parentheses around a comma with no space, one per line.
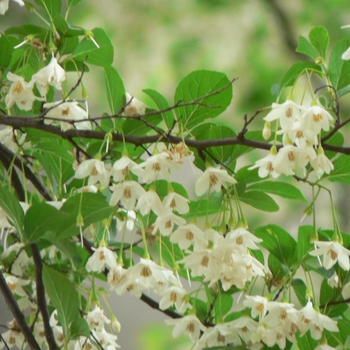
(247,176)
(115,90)
(259,200)
(329,294)
(223,305)
(79,327)
(278,188)
(319,39)
(63,295)
(277,269)
(300,290)
(6,50)
(306,342)
(10,204)
(279,243)
(138,127)
(339,70)
(204,207)
(38,220)
(336,139)
(64,28)
(195,87)
(303,243)
(341,172)
(305,47)
(52,7)
(101,55)
(161,103)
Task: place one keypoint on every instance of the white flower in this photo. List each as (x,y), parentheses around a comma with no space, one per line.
(257,303)
(166,221)
(332,252)
(287,113)
(158,164)
(189,324)
(175,201)
(15,285)
(245,327)
(13,337)
(266,166)
(95,170)
(127,193)
(333,281)
(96,319)
(150,201)
(67,111)
(212,178)
(316,322)
(201,262)
(121,168)
(133,106)
(244,239)
(346,291)
(177,296)
(8,137)
(321,163)
(316,118)
(4,5)
(188,235)
(346,55)
(325,347)
(101,258)
(20,93)
(53,74)
(286,159)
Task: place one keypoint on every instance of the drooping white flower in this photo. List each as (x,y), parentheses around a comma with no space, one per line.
(316,118)
(212,178)
(287,113)
(175,201)
(266,166)
(150,201)
(67,111)
(127,192)
(286,159)
(20,93)
(96,319)
(94,169)
(189,324)
(166,221)
(321,163)
(315,322)
(122,168)
(245,327)
(257,303)
(333,281)
(346,291)
(13,338)
(53,74)
(100,259)
(15,285)
(155,166)
(332,252)
(8,137)
(4,5)
(133,106)
(175,295)
(244,239)
(189,234)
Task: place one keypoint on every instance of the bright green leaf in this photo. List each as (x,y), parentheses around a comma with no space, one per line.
(63,295)
(161,103)
(306,48)
(303,242)
(319,39)
(79,327)
(278,188)
(341,172)
(306,342)
(277,269)
(204,207)
(259,200)
(115,90)
(299,287)
(195,87)
(339,70)
(279,243)
(6,50)
(223,305)
(52,7)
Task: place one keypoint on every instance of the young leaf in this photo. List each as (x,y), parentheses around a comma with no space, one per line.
(115,90)
(211,92)
(52,7)
(306,48)
(100,54)
(339,70)
(63,295)
(319,39)
(259,200)
(278,242)
(278,188)
(161,103)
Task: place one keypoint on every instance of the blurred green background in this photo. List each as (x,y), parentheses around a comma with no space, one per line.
(158,42)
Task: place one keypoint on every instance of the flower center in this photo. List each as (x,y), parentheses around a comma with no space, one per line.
(65,112)
(291,156)
(239,240)
(289,112)
(168,224)
(333,254)
(189,235)
(173,297)
(213,179)
(102,255)
(146,272)
(94,171)
(18,88)
(156,167)
(220,338)
(205,261)
(173,204)
(190,327)
(317,118)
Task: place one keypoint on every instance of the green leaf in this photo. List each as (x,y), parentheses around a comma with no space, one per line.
(79,327)
(204,207)
(195,87)
(6,50)
(337,139)
(306,342)
(63,295)
(223,305)
(297,70)
(101,55)
(259,200)
(299,287)
(115,90)
(38,220)
(65,29)
(319,39)
(328,294)
(10,204)
(278,188)
(138,127)
(279,243)
(72,3)
(341,172)
(161,103)
(277,269)
(247,176)
(52,7)
(339,70)
(306,48)
(303,243)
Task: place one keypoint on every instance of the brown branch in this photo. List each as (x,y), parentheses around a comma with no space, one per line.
(17,314)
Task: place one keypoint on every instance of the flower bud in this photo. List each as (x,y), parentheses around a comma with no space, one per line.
(267,131)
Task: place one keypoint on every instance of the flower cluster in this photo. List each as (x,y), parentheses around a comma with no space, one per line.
(300,128)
